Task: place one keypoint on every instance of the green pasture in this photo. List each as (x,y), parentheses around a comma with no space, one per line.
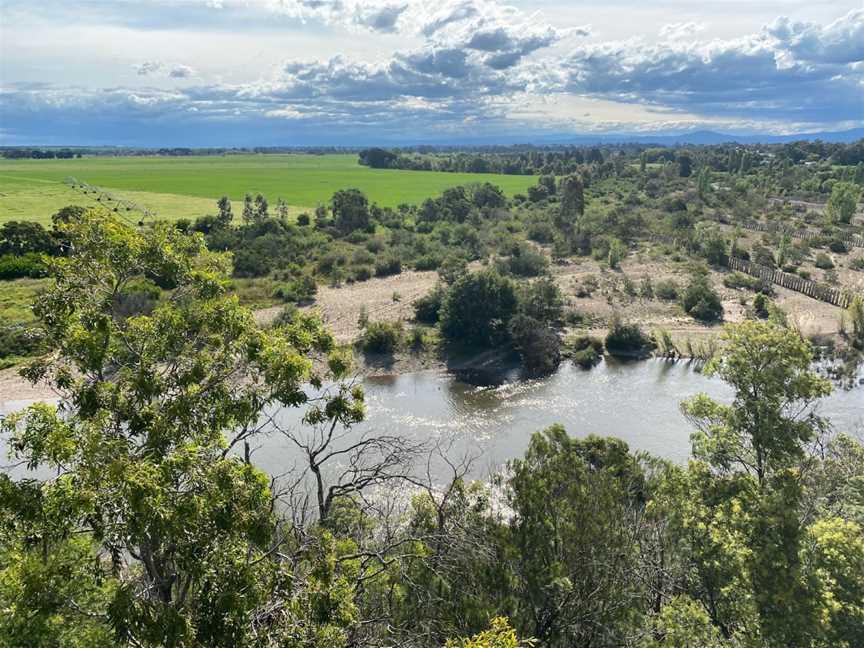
(187,187)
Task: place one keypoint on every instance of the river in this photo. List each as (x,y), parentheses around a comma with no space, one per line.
(636,401)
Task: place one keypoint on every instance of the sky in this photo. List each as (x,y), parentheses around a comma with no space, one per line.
(361,72)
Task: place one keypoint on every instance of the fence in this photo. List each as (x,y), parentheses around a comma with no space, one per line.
(851,240)
(807,287)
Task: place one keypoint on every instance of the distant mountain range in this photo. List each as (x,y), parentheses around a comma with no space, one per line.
(711,137)
(661,139)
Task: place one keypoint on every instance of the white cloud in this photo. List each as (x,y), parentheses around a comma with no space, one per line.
(678,30)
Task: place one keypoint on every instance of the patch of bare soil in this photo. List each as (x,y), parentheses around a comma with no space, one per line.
(388,299)
(14,388)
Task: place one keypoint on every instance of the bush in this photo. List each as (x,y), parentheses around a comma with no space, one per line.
(701,302)
(20,341)
(303,220)
(524,262)
(28,265)
(138,297)
(538,345)
(542,300)
(298,291)
(428,262)
(760,306)
(387,266)
(738,280)
(381,337)
(584,350)
(823,261)
(477,308)
(666,289)
(627,339)
(540,231)
(838,246)
(363,273)
(427,308)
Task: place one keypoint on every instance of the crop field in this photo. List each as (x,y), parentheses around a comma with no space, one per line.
(187,187)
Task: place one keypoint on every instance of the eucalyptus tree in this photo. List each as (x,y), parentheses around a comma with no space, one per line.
(169,537)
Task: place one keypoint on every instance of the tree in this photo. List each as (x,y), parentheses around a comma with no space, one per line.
(576,505)
(248,209)
(477,307)
(282,209)
(22,237)
(226,215)
(176,528)
(572,202)
(377,158)
(350,209)
(701,301)
(704,182)
(685,166)
(261,207)
(843,201)
(499,635)
(771,418)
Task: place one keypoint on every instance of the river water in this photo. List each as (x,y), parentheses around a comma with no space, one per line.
(635,401)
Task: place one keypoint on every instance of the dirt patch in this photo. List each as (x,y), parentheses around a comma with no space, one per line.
(388,299)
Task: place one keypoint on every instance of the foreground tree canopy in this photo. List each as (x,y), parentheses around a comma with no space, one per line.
(147,522)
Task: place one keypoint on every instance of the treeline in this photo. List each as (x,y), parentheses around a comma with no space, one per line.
(149,523)
(41,154)
(732,158)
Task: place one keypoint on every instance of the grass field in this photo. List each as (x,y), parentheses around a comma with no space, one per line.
(176,187)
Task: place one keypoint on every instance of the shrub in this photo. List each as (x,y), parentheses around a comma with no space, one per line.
(584,350)
(381,337)
(477,308)
(300,290)
(428,262)
(540,231)
(823,261)
(542,300)
(362,257)
(538,345)
(701,301)
(427,308)
(21,341)
(857,264)
(387,266)
(760,306)
(524,262)
(617,252)
(138,297)
(666,289)
(29,265)
(738,280)
(363,273)
(627,339)
(303,220)
(838,246)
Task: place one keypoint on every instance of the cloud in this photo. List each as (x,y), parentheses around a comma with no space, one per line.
(473,66)
(148,68)
(181,72)
(681,30)
(840,42)
(788,71)
(163,70)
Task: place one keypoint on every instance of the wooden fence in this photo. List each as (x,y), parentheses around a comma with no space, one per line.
(851,240)
(822,292)
(807,287)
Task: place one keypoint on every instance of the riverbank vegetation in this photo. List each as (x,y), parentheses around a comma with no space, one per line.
(148,522)
(628,230)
